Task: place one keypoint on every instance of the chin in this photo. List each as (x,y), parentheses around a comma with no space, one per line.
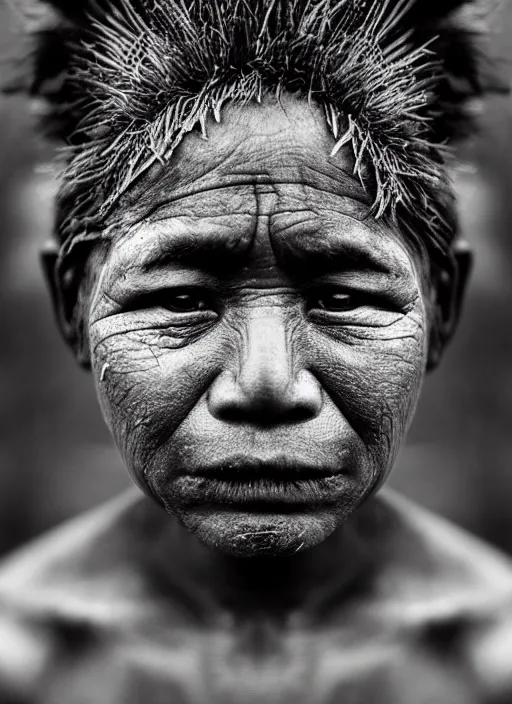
(254,534)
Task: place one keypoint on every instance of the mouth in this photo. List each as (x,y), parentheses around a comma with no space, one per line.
(260,485)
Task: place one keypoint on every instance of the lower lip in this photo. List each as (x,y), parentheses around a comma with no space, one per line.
(262,495)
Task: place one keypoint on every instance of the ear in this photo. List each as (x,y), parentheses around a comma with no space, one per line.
(63,295)
(450,287)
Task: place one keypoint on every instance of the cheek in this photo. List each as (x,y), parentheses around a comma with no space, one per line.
(147,386)
(150,389)
(374,377)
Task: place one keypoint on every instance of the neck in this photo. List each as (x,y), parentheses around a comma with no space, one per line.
(297,586)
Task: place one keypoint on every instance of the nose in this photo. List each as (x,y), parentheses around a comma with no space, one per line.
(268,386)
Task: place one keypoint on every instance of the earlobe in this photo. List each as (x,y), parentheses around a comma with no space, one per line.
(450,288)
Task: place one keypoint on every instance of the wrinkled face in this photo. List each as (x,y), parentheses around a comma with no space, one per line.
(258,342)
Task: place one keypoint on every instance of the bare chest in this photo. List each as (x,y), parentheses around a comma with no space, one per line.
(258,666)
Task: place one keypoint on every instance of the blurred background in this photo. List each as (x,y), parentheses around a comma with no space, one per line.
(56,457)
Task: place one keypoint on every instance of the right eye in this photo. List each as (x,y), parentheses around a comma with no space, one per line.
(180,301)
(185,300)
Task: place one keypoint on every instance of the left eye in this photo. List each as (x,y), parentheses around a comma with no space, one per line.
(334,301)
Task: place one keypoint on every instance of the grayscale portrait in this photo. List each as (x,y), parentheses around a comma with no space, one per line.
(257,256)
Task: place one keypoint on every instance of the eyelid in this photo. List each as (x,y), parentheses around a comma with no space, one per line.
(317,302)
(136,283)
(362,298)
(153,298)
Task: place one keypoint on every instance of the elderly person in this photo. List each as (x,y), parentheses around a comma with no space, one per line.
(256,256)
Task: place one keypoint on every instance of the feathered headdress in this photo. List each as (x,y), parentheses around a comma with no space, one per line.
(125,80)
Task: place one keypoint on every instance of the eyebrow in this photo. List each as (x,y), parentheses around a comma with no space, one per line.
(310,250)
(202,249)
(343,255)
(324,249)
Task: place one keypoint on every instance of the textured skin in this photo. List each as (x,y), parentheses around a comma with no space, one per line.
(260,375)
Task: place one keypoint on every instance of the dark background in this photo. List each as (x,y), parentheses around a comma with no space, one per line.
(56,457)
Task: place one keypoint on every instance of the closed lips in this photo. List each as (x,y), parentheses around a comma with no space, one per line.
(261,484)
(253,469)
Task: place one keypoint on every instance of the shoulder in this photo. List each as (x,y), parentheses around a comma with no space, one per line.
(25,651)
(64,593)
(73,571)
(436,552)
(455,590)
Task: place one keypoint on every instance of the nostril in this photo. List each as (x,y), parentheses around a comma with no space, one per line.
(298,401)
(306,397)
(224,397)
(300,413)
(262,413)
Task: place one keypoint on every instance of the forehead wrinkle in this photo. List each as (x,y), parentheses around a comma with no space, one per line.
(163,204)
(137,214)
(161,242)
(309,238)
(319,232)
(220,165)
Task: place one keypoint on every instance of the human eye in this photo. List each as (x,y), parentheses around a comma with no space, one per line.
(333,301)
(340,306)
(186,301)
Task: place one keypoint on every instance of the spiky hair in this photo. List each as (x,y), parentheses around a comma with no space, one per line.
(125,80)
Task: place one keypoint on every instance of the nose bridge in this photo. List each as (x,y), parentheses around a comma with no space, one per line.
(266,358)
(267,385)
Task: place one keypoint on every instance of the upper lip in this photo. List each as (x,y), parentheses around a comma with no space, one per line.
(242,468)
